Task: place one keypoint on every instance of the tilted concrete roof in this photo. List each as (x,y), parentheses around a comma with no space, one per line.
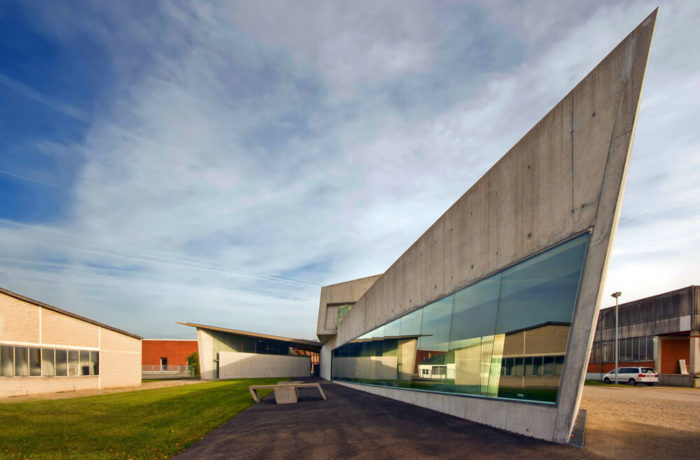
(253,334)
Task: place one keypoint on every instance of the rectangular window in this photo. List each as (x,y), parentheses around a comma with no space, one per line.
(518,367)
(61,363)
(529,370)
(84,362)
(94,363)
(73,363)
(549,367)
(21,362)
(48,367)
(558,364)
(35,362)
(7,361)
(538,365)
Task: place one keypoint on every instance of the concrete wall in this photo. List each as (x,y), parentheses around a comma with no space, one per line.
(235,365)
(564,177)
(347,292)
(23,323)
(207,365)
(326,357)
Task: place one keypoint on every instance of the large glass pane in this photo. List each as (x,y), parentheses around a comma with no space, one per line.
(472,339)
(95,363)
(84,362)
(503,337)
(21,361)
(7,361)
(35,362)
(61,363)
(73,363)
(435,366)
(536,305)
(48,367)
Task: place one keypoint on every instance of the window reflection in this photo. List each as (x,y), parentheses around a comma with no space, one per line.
(503,337)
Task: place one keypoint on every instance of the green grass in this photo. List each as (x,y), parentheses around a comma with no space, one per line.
(145,424)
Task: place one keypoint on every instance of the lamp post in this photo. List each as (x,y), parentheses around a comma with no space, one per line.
(617,346)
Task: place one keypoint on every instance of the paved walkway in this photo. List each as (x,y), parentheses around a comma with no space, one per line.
(358,425)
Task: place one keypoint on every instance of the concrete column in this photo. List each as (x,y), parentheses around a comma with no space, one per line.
(694,364)
(326,357)
(205,345)
(657,354)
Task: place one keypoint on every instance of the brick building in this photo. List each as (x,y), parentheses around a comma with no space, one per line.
(44,349)
(166,357)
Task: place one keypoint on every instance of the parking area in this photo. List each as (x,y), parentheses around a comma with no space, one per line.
(668,407)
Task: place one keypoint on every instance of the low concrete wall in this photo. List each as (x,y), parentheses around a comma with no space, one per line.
(529,419)
(233,365)
(676,380)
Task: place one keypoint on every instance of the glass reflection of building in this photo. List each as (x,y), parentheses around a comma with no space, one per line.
(502,337)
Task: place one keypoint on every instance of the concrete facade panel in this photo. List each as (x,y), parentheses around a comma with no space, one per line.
(339,294)
(234,365)
(207,370)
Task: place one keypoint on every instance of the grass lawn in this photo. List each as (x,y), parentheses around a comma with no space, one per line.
(145,424)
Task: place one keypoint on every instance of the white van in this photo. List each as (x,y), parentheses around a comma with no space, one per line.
(633,375)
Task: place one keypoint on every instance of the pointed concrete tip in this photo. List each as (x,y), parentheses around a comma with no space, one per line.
(651,18)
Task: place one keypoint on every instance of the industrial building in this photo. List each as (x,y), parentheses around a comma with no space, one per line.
(44,349)
(662,331)
(230,353)
(490,314)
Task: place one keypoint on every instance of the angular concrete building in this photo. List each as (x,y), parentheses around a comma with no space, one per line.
(490,314)
(233,354)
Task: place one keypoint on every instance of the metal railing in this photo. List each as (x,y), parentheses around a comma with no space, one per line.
(157,371)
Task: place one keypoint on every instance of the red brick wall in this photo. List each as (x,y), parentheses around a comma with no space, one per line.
(671,351)
(607,367)
(176,351)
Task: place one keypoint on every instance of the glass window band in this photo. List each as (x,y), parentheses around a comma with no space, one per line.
(502,337)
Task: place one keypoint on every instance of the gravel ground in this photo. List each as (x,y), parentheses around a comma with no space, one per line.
(668,407)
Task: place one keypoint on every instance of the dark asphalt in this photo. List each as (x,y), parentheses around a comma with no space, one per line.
(358,425)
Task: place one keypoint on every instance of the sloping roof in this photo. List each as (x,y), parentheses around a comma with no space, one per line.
(253,334)
(67,313)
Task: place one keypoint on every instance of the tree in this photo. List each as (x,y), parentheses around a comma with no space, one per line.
(193,362)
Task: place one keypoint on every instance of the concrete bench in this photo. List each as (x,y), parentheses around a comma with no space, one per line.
(285,392)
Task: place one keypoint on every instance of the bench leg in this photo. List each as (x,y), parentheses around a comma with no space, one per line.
(320,390)
(254,394)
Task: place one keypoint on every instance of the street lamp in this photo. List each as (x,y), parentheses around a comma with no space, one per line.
(617,346)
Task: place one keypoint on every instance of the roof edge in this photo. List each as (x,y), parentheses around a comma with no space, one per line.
(67,313)
(251,334)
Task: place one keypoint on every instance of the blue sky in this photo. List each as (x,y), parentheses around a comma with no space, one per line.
(218,162)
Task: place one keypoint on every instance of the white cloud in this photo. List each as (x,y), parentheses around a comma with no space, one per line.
(257,153)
